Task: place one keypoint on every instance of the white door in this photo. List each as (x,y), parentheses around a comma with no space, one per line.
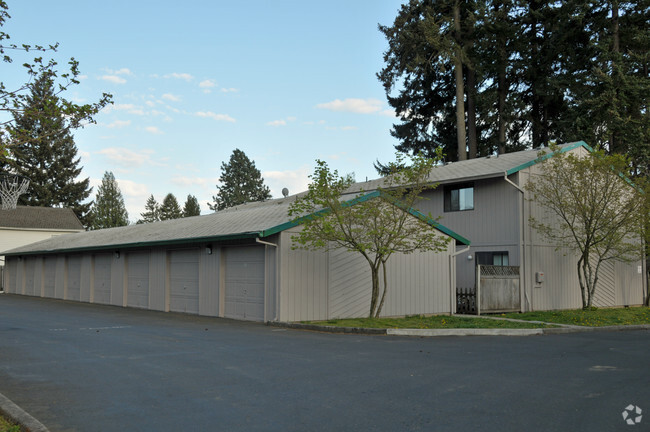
(50,276)
(74,278)
(137,291)
(184,279)
(102,282)
(245,283)
(30,269)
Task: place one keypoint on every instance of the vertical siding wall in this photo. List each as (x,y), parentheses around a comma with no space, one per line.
(317,285)
(493,225)
(120,278)
(619,283)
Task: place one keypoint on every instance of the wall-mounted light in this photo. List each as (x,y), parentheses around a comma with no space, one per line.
(208,249)
(117,254)
(469,258)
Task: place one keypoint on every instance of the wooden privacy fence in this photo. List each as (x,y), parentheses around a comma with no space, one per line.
(466,300)
(497,289)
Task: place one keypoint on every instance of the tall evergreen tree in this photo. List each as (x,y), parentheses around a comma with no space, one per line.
(191,207)
(108,210)
(241,182)
(44,150)
(151,211)
(169,209)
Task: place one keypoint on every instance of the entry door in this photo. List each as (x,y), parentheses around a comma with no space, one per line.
(137,279)
(102,282)
(184,279)
(245,283)
(74,278)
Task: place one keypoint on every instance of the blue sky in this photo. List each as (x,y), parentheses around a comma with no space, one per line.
(287,82)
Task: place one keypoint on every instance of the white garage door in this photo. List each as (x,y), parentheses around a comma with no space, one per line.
(30,272)
(245,283)
(137,293)
(11,273)
(50,276)
(184,279)
(74,277)
(102,282)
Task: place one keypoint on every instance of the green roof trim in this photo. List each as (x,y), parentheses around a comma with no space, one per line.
(362,198)
(549,155)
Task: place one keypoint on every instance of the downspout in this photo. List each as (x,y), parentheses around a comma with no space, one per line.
(522,245)
(277,288)
(452,279)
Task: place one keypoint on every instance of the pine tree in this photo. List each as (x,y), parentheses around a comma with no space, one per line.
(192,207)
(169,209)
(152,211)
(44,150)
(108,210)
(241,182)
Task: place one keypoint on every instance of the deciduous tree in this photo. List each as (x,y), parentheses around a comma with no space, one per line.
(376,228)
(592,209)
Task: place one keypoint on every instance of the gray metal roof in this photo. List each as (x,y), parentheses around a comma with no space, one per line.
(246,220)
(46,218)
(479,168)
(260,219)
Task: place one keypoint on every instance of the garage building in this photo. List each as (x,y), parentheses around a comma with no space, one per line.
(236,263)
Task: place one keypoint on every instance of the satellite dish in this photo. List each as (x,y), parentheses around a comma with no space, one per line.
(285,192)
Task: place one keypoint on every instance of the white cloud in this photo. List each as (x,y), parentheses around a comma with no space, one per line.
(183,76)
(150,104)
(129,158)
(294,180)
(130,108)
(132,189)
(113,79)
(277,123)
(359,106)
(171,97)
(218,117)
(122,71)
(229,90)
(388,113)
(207,83)
(117,124)
(153,130)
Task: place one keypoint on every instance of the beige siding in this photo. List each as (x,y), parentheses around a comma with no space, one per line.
(13,238)
(11,276)
(209,281)
(303,282)
(629,280)
(316,285)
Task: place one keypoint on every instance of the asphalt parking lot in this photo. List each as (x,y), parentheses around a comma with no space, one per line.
(81,367)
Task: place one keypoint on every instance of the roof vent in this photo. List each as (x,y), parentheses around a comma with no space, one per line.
(285,192)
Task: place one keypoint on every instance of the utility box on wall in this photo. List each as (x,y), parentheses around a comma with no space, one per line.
(539,277)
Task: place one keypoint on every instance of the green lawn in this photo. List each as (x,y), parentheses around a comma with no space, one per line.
(430,322)
(6,426)
(593,318)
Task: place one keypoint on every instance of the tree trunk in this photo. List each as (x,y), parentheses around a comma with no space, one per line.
(383,295)
(374,272)
(471,113)
(460,88)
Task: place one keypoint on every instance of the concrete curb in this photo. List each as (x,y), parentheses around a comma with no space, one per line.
(456,331)
(16,414)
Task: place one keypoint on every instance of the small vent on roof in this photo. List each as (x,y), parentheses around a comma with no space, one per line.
(285,192)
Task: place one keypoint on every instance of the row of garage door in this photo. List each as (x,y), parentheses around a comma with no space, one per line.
(243,268)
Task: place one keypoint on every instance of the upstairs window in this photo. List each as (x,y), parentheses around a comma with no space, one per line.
(492,258)
(459,197)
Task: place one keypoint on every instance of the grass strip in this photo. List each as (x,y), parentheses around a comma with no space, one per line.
(593,318)
(7,426)
(427,322)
